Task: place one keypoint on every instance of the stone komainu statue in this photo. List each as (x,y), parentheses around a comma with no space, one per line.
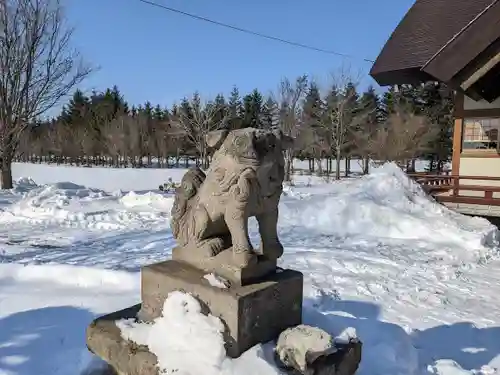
(210,212)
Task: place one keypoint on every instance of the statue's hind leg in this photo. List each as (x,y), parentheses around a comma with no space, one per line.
(205,245)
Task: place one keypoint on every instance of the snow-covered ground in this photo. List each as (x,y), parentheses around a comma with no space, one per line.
(417,282)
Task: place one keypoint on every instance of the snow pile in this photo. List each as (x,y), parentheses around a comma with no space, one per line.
(179,335)
(66,203)
(388,205)
(149,201)
(290,191)
(24,185)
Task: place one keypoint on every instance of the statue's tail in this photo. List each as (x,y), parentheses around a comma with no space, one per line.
(185,194)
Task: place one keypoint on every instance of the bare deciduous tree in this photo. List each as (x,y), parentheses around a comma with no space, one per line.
(37,69)
(197,121)
(404,136)
(115,134)
(289,97)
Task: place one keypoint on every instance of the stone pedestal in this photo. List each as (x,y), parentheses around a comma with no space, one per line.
(252,314)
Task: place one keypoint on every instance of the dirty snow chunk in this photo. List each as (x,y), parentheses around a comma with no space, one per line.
(181,335)
(296,345)
(216,281)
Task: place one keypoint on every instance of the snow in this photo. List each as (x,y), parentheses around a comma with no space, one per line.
(201,337)
(216,281)
(413,280)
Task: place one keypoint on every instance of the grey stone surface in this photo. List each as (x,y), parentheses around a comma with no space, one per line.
(222,266)
(252,314)
(245,179)
(125,357)
(310,350)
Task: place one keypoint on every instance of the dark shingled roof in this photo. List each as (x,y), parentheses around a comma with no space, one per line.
(426,28)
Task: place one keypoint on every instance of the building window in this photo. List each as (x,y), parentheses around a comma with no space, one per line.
(481,134)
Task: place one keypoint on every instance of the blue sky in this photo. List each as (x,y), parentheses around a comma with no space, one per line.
(155,55)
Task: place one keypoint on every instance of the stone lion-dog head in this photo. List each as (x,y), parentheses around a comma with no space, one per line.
(261,149)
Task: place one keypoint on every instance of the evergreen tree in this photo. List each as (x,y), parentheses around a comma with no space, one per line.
(235,109)
(315,139)
(370,103)
(370,107)
(221,112)
(437,105)
(252,109)
(389,100)
(148,110)
(270,115)
(76,110)
(120,106)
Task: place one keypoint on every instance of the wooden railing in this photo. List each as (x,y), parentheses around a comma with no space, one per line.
(452,189)
(433,184)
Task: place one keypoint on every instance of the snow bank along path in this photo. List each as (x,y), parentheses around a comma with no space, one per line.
(413,279)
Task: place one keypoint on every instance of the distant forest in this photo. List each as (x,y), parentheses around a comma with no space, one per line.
(403,124)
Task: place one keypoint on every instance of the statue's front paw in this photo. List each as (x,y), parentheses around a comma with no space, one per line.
(272,251)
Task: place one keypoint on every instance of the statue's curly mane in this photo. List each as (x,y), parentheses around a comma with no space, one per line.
(185,195)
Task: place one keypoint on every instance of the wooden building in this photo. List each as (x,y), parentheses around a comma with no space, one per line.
(456,42)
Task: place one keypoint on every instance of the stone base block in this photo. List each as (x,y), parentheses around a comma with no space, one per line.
(252,314)
(126,357)
(221,265)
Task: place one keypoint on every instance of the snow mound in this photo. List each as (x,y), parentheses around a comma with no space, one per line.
(183,333)
(290,191)
(179,335)
(149,200)
(23,185)
(66,203)
(386,204)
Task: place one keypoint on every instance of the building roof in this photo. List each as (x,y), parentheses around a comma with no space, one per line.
(424,32)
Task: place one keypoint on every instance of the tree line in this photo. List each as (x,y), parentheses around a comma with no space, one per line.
(338,123)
